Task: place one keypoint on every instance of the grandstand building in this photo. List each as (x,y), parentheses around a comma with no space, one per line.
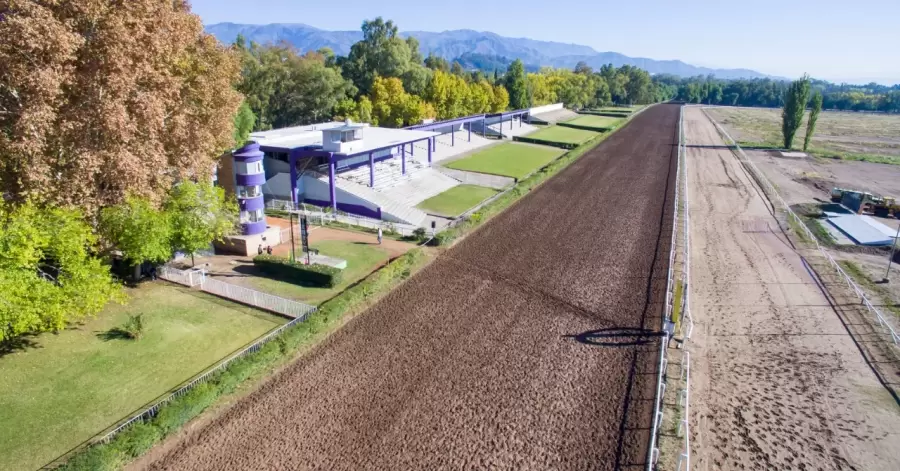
(357,168)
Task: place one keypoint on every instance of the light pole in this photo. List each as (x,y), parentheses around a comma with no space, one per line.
(891,259)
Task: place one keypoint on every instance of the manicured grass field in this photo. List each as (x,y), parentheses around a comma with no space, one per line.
(454,201)
(596,121)
(362,259)
(563,134)
(510,160)
(65,388)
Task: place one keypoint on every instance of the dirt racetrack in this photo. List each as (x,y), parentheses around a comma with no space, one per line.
(510,351)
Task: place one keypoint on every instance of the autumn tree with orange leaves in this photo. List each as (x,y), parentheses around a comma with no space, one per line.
(103,99)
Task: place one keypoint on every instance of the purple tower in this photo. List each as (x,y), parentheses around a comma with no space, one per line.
(249,176)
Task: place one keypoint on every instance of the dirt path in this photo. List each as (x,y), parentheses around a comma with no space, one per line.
(506,353)
(777,383)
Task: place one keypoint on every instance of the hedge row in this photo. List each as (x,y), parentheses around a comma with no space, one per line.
(605,113)
(544,142)
(137,439)
(586,128)
(521,189)
(315,274)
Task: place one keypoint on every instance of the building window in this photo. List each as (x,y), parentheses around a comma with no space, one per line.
(248,168)
(248,191)
(252,216)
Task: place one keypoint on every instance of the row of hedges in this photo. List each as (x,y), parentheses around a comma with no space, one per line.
(297,272)
(544,142)
(522,188)
(586,128)
(605,113)
(136,440)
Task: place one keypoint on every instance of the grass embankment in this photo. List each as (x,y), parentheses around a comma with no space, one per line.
(862,279)
(67,387)
(456,200)
(361,259)
(521,189)
(250,370)
(595,121)
(563,134)
(509,160)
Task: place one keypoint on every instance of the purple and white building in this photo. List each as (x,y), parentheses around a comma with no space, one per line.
(376,172)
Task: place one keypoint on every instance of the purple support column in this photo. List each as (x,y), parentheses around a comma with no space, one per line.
(331,192)
(470,132)
(453,136)
(412,148)
(293,162)
(429,152)
(403,160)
(371,170)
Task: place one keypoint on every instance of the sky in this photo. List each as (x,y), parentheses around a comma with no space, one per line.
(830,39)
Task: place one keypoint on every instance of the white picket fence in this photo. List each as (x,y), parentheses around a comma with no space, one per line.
(198,277)
(251,297)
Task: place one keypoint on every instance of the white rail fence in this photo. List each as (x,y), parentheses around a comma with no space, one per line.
(687,321)
(322,218)
(882,320)
(654,451)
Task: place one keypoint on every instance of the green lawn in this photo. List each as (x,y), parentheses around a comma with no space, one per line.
(454,201)
(67,387)
(596,121)
(362,259)
(563,134)
(511,159)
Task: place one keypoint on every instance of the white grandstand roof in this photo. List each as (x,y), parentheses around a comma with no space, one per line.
(302,136)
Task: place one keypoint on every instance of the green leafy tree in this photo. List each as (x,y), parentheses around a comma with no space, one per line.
(415,79)
(602,96)
(381,53)
(817,100)
(434,62)
(48,275)
(244,121)
(794,106)
(199,214)
(516,85)
(500,102)
(139,231)
(457,69)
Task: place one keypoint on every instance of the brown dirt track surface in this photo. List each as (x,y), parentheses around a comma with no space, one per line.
(472,363)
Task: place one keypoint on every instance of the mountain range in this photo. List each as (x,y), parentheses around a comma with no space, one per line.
(454,44)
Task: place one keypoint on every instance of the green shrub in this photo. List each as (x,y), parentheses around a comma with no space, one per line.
(315,274)
(137,439)
(134,327)
(96,458)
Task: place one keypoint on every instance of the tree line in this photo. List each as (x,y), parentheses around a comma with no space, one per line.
(385,80)
(766,92)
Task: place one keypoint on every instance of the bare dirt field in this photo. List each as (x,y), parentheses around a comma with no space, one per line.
(837,132)
(532,344)
(777,381)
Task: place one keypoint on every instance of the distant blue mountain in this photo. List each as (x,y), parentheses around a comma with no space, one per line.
(453,44)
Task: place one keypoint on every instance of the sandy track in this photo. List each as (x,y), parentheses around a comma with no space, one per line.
(777,383)
(472,364)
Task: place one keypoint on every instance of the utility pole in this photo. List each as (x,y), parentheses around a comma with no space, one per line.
(891,259)
(291,223)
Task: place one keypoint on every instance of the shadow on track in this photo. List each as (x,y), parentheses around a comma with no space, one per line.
(617,337)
